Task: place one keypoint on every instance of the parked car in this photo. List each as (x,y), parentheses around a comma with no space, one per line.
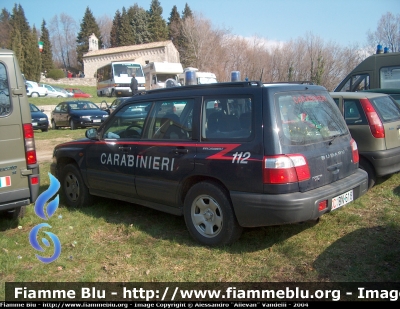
(33,90)
(77,93)
(40,121)
(77,114)
(393,92)
(54,92)
(59,89)
(374,123)
(115,104)
(227,158)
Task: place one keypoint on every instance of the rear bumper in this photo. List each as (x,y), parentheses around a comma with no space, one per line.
(267,209)
(385,162)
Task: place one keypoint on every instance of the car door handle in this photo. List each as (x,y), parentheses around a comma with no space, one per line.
(125,149)
(180,150)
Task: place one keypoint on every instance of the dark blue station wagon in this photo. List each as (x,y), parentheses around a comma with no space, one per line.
(224,156)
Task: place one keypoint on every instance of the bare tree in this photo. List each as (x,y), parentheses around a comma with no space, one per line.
(105,25)
(201,41)
(63,39)
(387,33)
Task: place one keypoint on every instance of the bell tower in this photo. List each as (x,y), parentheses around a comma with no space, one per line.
(93,43)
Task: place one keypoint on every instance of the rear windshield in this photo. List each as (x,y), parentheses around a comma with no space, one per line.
(307,118)
(387,108)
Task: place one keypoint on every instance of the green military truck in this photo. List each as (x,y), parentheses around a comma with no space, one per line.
(379,71)
(19,169)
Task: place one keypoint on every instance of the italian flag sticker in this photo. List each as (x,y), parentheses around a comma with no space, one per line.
(5,181)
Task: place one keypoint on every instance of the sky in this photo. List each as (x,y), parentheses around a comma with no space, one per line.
(344,22)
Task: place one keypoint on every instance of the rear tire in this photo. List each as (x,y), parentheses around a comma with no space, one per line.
(34,95)
(16,213)
(366,166)
(74,190)
(209,215)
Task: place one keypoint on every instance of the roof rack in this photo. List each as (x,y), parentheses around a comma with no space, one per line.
(213,85)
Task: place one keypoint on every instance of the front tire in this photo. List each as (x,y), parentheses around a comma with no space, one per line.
(72,124)
(53,125)
(75,192)
(209,215)
(34,95)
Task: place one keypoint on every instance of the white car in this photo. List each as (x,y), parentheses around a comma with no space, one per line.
(33,90)
(54,92)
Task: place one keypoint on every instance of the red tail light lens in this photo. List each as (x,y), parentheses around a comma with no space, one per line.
(354,151)
(285,169)
(375,124)
(30,151)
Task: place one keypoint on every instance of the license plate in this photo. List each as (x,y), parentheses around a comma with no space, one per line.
(96,120)
(34,124)
(342,199)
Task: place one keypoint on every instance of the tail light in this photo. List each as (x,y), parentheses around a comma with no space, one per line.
(375,124)
(354,151)
(285,169)
(30,151)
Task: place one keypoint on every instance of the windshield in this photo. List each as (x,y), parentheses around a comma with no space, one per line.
(127,69)
(34,108)
(308,117)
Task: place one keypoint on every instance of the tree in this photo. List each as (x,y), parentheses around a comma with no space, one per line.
(174,22)
(157,25)
(32,57)
(140,23)
(20,34)
(63,41)
(47,54)
(187,12)
(114,33)
(387,33)
(5,28)
(201,41)
(89,26)
(126,31)
(105,25)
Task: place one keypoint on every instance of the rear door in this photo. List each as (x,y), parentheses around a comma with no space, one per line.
(13,186)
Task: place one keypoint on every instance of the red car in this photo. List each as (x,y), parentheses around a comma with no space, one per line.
(77,93)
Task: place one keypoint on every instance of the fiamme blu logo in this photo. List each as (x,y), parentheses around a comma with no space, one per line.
(45,213)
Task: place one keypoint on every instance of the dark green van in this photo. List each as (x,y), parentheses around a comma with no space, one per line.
(381,70)
(19,169)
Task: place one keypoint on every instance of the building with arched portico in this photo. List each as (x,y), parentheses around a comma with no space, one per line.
(164,51)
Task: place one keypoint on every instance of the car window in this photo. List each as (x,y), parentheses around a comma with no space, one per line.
(353,112)
(390,77)
(128,122)
(171,120)
(308,118)
(5,102)
(227,118)
(387,109)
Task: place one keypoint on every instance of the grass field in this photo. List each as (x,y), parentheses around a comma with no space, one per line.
(114,241)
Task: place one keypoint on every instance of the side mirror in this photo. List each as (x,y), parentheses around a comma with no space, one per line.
(91,133)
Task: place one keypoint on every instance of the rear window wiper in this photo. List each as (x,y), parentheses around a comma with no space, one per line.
(334,137)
